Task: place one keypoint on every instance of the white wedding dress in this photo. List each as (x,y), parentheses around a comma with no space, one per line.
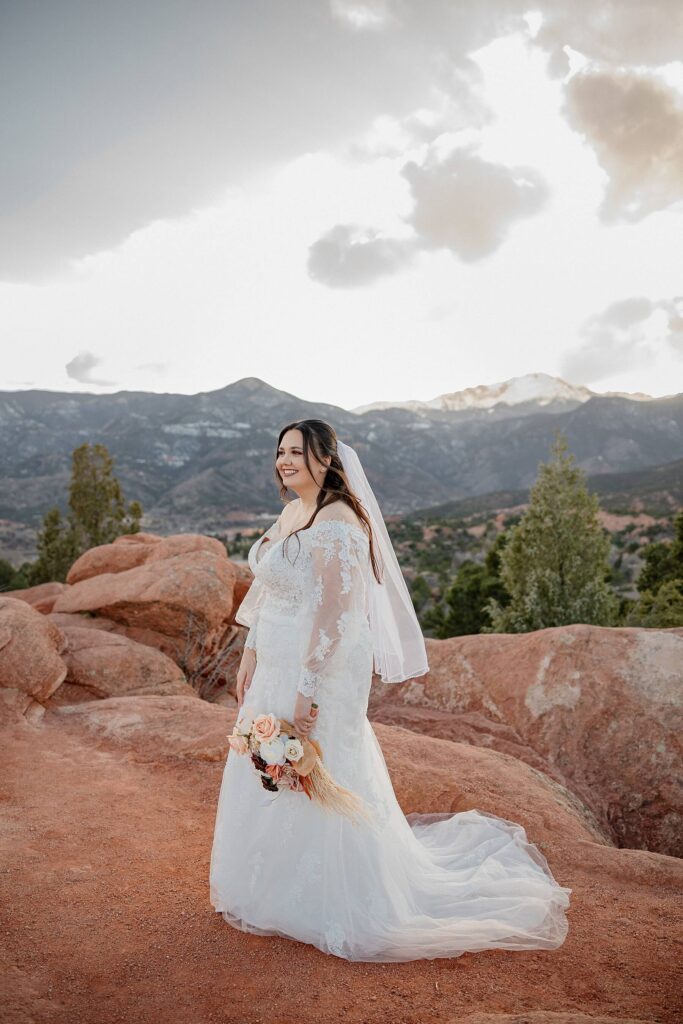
(399,888)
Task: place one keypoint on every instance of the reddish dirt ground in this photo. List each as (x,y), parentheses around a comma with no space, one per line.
(106,917)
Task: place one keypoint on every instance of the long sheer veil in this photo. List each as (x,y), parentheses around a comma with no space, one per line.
(398,644)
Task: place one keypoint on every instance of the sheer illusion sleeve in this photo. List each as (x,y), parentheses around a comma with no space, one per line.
(248,611)
(336,583)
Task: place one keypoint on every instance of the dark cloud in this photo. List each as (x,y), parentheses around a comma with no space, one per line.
(349,257)
(462,203)
(635,125)
(81,368)
(619,338)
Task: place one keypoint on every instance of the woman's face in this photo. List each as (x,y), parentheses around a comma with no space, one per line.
(291,466)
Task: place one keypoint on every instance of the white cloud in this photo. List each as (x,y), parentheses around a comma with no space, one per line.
(628,334)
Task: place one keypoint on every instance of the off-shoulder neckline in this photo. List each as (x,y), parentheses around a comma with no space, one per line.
(320,522)
(328,522)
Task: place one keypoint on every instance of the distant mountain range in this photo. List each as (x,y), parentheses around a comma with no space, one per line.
(657,491)
(205,461)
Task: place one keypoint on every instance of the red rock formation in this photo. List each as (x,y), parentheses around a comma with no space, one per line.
(158,726)
(30,664)
(177,594)
(602,707)
(106,665)
(42,597)
(166,595)
(134,549)
(170,646)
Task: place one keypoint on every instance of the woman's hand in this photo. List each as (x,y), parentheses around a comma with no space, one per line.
(245,673)
(304,714)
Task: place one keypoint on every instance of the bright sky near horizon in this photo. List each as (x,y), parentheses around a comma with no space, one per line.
(355,201)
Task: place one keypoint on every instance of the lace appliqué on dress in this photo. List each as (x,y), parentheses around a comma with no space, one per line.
(338,553)
(309,683)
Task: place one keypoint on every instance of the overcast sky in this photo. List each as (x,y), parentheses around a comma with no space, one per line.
(355,200)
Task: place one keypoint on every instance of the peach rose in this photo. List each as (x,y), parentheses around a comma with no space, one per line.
(238,743)
(266,727)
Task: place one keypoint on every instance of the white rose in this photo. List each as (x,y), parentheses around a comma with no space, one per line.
(294,750)
(273,752)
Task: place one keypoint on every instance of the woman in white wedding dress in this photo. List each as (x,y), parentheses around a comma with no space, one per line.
(397,888)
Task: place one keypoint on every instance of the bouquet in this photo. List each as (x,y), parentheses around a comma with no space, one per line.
(285,761)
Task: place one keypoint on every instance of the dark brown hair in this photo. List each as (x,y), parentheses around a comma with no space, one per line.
(320,438)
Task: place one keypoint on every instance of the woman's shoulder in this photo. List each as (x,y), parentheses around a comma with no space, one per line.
(337,518)
(338,511)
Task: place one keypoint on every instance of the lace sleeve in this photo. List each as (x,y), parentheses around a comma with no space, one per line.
(247,613)
(334,572)
(250,639)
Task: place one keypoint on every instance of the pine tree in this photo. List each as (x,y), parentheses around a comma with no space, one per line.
(467,598)
(660,584)
(97,508)
(663,561)
(554,566)
(660,610)
(97,515)
(57,549)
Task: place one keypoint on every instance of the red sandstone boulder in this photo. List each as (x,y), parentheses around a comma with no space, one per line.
(171,726)
(177,594)
(136,549)
(30,648)
(211,669)
(106,665)
(602,707)
(41,597)
(187,591)
(170,646)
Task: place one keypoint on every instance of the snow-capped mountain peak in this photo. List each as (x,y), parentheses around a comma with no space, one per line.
(539,388)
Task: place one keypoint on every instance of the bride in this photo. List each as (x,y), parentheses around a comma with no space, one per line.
(327,601)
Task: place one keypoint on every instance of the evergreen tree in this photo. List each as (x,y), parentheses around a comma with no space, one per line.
(660,584)
(660,610)
(97,515)
(554,566)
(663,561)
(57,549)
(419,592)
(22,577)
(467,598)
(98,511)
(7,574)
